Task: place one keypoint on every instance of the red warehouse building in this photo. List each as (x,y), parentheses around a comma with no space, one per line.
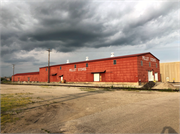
(129,69)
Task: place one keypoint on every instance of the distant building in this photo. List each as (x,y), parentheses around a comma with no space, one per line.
(170,71)
(128,69)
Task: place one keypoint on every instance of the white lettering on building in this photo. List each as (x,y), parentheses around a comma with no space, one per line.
(147,59)
(153,60)
(82,69)
(72,70)
(79,69)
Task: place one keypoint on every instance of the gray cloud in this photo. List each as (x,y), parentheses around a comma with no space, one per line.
(43,63)
(67,26)
(21,59)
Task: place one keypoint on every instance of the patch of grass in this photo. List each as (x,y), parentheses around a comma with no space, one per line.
(7,118)
(6,82)
(10,102)
(87,89)
(23,93)
(40,98)
(10,82)
(168,90)
(45,130)
(108,89)
(150,90)
(96,89)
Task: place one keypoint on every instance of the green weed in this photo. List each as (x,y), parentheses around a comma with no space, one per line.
(10,102)
(45,130)
(88,89)
(111,86)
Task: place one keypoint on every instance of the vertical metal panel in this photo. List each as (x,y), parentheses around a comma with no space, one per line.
(171,70)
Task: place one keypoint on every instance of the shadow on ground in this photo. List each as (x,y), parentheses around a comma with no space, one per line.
(170,130)
(63,99)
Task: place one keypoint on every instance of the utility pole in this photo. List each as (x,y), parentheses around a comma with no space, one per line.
(13,71)
(49,65)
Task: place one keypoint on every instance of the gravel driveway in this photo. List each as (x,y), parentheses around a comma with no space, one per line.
(72,110)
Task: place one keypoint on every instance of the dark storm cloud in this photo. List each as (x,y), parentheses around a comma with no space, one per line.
(69,25)
(43,63)
(21,59)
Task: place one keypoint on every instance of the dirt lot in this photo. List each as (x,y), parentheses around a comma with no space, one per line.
(52,108)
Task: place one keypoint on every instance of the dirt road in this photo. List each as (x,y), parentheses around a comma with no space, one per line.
(72,110)
(152,116)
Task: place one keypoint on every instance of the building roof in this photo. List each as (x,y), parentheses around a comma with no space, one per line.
(125,56)
(30,73)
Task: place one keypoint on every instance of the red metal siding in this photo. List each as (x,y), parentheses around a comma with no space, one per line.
(143,70)
(127,69)
(43,75)
(33,77)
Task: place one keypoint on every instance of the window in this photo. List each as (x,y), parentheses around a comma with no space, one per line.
(114,62)
(46,69)
(74,66)
(86,64)
(149,64)
(60,68)
(156,65)
(141,63)
(28,78)
(18,79)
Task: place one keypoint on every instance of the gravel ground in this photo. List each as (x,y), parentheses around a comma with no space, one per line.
(86,84)
(162,85)
(66,109)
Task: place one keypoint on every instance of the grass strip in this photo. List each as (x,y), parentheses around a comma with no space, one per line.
(9,102)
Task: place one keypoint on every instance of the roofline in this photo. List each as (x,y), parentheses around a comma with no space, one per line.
(132,55)
(154,56)
(30,73)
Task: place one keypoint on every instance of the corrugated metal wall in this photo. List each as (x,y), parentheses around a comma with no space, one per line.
(170,70)
(126,69)
(144,68)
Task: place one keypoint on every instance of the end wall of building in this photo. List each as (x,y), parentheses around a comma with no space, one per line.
(147,63)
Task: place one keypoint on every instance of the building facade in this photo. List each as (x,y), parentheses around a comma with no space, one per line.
(170,71)
(135,68)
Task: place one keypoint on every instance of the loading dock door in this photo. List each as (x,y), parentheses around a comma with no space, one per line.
(156,76)
(61,78)
(96,76)
(150,76)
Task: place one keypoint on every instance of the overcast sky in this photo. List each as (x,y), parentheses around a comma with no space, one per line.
(75,29)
